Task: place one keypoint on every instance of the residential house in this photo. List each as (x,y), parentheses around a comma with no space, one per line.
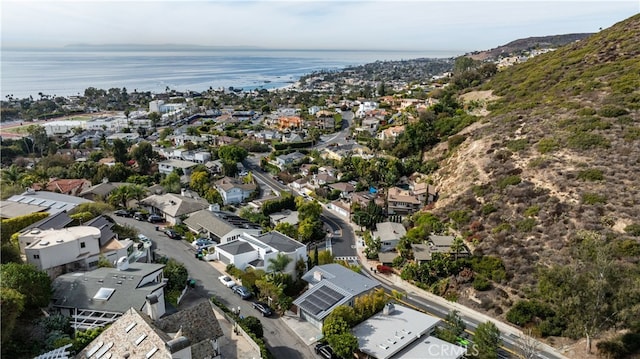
(168,166)
(402,202)
(131,137)
(286,216)
(444,244)
(363,198)
(220,226)
(345,188)
(399,332)
(256,251)
(193,332)
(57,251)
(173,206)
(290,159)
(365,107)
(50,202)
(10,209)
(325,120)
(321,179)
(300,184)
(330,285)
(305,169)
(291,138)
(99,297)
(55,221)
(341,207)
(391,133)
(234,190)
(71,187)
(289,122)
(181,139)
(101,191)
(389,234)
(370,125)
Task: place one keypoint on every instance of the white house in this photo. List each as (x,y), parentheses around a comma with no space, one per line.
(220,226)
(399,332)
(60,250)
(256,251)
(234,190)
(365,107)
(167,166)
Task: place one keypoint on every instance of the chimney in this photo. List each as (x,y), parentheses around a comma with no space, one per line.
(152,307)
(183,192)
(122,264)
(388,309)
(317,275)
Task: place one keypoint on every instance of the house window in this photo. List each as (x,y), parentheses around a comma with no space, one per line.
(36,256)
(82,245)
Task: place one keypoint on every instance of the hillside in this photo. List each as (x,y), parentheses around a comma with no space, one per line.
(558,153)
(529,43)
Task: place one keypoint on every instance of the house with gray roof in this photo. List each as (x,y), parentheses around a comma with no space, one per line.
(173,206)
(286,216)
(389,234)
(96,298)
(9,209)
(330,285)
(101,190)
(234,190)
(256,251)
(49,201)
(193,332)
(399,332)
(220,226)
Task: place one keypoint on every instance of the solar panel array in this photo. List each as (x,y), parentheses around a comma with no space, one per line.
(321,300)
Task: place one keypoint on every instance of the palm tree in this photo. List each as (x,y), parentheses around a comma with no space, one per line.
(136,192)
(119,196)
(279,263)
(456,247)
(12,175)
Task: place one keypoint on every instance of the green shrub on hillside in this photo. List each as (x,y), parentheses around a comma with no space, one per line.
(518,145)
(547,145)
(586,140)
(526,225)
(592,174)
(509,181)
(612,111)
(593,198)
(532,211)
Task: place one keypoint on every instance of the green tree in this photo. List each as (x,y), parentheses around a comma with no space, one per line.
(39,138)
(343,344)
(456,247)
(171,183)
(333,325)
(199,182)
(27,280)
(253,325)
(231,153)
(120,152)
(287,229)
(119,196)
(155,118)
(279,263)
(143,154)
(486,341)
(176,274)
(12,304)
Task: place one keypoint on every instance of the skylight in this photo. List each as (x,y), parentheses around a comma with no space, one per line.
(104,293)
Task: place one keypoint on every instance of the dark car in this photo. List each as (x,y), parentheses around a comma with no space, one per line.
(122,213)
(172,234)
(324,351)
(140,216)
(263,308)
(242,291)
(154,218)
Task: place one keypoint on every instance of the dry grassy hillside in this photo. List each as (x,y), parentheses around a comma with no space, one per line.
(558,153)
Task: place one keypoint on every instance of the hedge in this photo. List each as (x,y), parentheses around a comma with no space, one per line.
(16,224)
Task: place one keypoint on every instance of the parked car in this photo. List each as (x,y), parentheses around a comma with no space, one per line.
(144,238)
(154,218)
(227,281)
(123,213)
(202,243)
(172,234)
(263,308)
(140,216)
(242,291)
(324,351)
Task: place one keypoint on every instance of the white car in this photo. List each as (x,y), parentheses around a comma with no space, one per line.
(227,281)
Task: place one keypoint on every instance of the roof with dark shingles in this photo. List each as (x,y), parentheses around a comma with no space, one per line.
(56,221)
(280,242)
(236,247)
(197,323)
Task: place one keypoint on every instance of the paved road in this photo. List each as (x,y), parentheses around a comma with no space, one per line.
(282,342)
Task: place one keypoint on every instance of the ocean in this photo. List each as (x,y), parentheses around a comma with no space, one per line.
(65,72)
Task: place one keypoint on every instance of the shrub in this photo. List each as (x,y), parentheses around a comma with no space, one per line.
(455,141)
(502,227)
(592,174)
(488,209)
(518,145)
(633,229)
(532,211)
(586,140)
(612,111)
(526,225)
(524,311)
(547,145)
(481,283)
(593,198)
(509,181)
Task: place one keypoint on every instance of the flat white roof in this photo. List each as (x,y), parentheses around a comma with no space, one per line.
(384,335)
(431,348)
(52,237)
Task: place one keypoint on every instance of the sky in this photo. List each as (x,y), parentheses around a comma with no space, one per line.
(303,24)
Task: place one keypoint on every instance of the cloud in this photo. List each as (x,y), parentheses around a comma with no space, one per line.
(418,25)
